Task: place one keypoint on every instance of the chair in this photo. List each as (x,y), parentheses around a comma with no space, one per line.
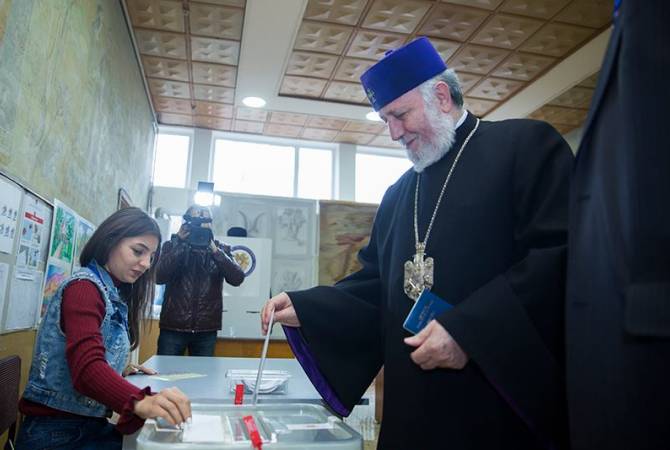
(10,375)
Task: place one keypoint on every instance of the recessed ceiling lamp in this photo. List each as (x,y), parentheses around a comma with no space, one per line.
(253,102)
(373,116)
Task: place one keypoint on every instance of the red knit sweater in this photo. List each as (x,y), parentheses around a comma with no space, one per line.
(82,313)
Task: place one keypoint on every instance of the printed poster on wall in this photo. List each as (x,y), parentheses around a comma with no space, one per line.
(61,251)
(83,233)
(34,232)
(10,201)
(54,276)
(62,233)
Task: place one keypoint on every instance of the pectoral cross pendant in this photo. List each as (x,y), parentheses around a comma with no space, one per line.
(418,273)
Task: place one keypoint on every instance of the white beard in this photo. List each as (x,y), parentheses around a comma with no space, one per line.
(444,134)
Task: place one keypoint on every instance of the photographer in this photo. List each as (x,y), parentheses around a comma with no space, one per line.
(193,267)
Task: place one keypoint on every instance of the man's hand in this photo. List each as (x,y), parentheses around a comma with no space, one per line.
(213,247)
(284,312)
(183,232)
(436,348)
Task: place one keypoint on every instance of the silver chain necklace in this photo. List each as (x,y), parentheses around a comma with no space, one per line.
(419,271)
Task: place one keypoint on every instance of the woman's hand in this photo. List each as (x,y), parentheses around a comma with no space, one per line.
(132,369)
(171,404)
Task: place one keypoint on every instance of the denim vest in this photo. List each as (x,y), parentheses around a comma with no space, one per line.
(50,382)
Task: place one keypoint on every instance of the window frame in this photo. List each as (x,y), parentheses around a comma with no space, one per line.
(297,145)
(378,151)
(176,131)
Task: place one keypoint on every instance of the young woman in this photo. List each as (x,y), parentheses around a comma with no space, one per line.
(83,343)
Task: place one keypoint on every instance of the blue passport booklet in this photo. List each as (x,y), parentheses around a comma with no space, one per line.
(426,308)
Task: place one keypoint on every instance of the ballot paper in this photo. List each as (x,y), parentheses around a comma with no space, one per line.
(177,376)
(204,428)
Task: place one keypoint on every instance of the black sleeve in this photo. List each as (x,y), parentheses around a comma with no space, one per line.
(342,325)
(172,258)
(232,272)
(512,327)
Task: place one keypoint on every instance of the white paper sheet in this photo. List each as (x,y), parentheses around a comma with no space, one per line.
(204,428)
(24,299)
(4,273)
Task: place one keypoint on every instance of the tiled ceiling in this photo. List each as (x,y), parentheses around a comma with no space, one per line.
(190,52)
(568,111)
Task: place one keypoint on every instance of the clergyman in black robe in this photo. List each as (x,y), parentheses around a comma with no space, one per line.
(488,372)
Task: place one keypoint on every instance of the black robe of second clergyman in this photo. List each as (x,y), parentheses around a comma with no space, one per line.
(498,243)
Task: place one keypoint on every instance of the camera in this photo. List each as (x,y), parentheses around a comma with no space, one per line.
(198,235)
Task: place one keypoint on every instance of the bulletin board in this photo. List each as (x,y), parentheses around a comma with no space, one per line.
(40,244)
(25,226)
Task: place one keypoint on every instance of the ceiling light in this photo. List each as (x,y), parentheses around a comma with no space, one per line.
(373,116)
(253,102)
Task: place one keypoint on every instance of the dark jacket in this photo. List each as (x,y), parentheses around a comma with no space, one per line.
(618,292)
(193,278)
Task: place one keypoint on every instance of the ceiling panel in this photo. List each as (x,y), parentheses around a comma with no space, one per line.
(216,74)
(216,21)
(523,66)
(343,12)
(453,22)
(485,4)
(190,49)
(318,134)
(288,118)
(175,105)
(399,16)
(311,64)
(158,43)
(213,109)
(169,69)
(542,9)
(506,31)
(556,39)
(158,14)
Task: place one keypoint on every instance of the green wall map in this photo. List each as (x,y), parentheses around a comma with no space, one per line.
(4,12)
(75,122)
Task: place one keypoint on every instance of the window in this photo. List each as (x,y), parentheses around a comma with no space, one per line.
(272,169)
(171,160)
(175,224)
(253,168)
(315,173)
(375,173)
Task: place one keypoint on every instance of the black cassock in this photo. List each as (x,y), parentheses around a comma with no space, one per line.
(618,291)
(498,243)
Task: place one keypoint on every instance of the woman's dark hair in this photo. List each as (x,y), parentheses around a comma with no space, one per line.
(126,223)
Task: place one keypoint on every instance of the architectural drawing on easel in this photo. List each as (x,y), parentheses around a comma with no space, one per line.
(290,275)
(344,230)
(254,222)
(292,231)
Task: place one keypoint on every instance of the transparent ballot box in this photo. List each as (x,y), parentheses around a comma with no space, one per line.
(272,381)
(279,426)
